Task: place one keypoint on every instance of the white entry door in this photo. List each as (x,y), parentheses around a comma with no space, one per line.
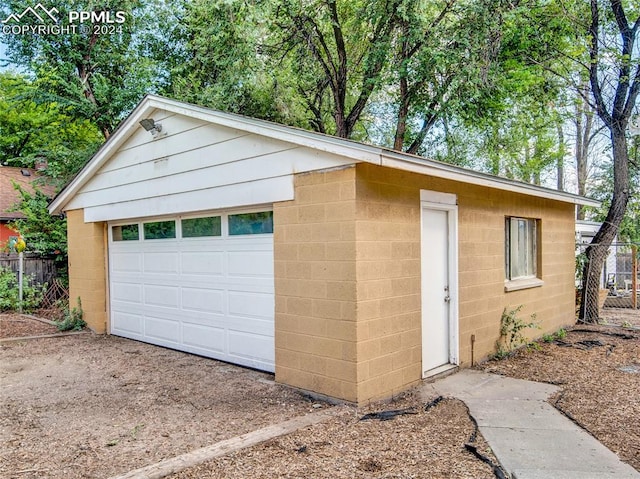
(439,288)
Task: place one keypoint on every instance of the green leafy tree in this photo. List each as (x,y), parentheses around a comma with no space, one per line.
(44,234)
(94,76)
(222,65)
(335,52)
(32,129)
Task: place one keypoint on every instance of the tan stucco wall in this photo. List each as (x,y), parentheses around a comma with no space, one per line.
(347,276)
(87,269)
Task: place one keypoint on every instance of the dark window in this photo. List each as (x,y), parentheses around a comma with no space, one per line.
(251,223)
(197,227)
(125,233)
(160,230)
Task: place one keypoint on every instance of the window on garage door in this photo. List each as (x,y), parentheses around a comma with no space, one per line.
(159,230)
(125,233)
(251,223)
(201,227)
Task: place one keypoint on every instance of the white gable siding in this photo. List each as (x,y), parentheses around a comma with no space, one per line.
(195,166)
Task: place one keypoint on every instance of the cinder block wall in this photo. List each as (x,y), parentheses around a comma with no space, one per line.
(87,269)
(481,243)
(315,285)
(347,277)
(481,251)
(388,274)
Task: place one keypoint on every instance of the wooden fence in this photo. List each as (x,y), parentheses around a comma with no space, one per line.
(43,270)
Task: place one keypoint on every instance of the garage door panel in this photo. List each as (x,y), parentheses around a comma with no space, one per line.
(259,285)
(162,328)
(213,320)
(212,296)
(157,262)
(205,300)
(157,295)
(128,323)
(250,263)
(257,305)
(202,263)
(126,262)
(247,325)
(128,292)
(204,337)
(251,347)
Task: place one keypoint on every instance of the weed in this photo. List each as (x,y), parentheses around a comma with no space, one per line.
(134,432)
(72,320)
(559,334)
(511,331)
(534,346)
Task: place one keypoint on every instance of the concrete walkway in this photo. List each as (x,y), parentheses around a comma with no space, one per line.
(530,438)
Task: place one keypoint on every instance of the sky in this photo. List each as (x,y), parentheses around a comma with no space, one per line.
(3,49)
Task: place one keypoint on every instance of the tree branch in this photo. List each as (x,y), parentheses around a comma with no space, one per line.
(593,67)
(625,67)
(381,33)
(429,31)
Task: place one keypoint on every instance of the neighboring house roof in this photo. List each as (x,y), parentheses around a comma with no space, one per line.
(9,196)
(358,152)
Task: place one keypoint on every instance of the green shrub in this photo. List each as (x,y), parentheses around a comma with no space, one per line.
(72,320)
(511,331)
(9,292)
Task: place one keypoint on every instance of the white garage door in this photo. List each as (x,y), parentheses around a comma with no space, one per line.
(198,284)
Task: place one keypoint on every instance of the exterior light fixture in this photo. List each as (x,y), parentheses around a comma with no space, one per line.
(151,126)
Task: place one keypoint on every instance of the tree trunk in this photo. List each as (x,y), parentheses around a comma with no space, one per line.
(560,161)
(616,120)
(598,250)
(584,125)
(403,109)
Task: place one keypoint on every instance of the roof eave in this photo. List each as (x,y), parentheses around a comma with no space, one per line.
(439,169)
(339,146)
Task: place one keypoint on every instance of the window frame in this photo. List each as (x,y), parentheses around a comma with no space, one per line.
(224,219)
(527,272)
(122,238)
(158,221)
(220,218)
(230,215)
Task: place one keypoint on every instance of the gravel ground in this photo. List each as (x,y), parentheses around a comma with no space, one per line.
(620,317)
(90,406)
(94,406)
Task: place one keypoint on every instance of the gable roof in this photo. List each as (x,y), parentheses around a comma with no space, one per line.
(355,151)
(9,196)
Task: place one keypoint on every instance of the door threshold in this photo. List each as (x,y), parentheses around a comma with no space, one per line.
(440,371)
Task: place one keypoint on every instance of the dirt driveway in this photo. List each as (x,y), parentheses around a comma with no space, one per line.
(94,406)
(89,406)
